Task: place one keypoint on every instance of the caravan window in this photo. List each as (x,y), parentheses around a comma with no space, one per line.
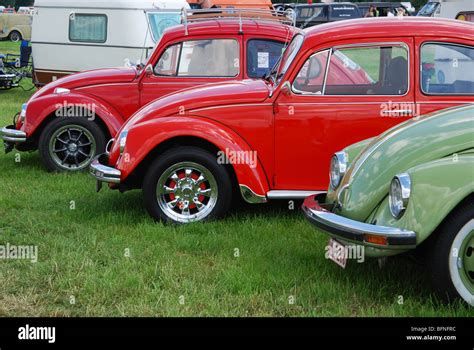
(88,28)
(201,58)
(159,21)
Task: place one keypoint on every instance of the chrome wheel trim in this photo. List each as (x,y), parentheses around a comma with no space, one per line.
(187,192)
(455,262)
(72,147)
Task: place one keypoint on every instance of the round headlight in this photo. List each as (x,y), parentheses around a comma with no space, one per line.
(399,194)
(338,169)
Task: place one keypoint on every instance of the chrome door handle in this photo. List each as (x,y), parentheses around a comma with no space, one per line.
(398,111)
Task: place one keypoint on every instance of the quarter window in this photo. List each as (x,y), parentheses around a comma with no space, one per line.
(447,69)
(310,79)
(201,58)
(88,28)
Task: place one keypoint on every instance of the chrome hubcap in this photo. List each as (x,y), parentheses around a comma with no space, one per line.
(72,147)
(187,192)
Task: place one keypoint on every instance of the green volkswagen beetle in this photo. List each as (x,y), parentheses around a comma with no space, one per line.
(410,187)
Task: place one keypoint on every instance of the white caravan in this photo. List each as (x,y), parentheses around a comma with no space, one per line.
(72,36)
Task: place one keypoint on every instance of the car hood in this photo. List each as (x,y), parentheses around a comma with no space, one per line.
(414,142)
(93,77)
(191,101)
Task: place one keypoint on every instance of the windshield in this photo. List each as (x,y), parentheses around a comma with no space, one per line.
(428,10)
(289,55)
(159,21)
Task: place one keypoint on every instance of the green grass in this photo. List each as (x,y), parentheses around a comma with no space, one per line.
(82,254)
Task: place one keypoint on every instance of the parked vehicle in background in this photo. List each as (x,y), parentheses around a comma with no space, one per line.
(70,120)
(467,16)
(335,85)
(445,9)
(308,15)
(108,33)
(381,188)
(2,8)
(249,4)
(26,10)
(15,27)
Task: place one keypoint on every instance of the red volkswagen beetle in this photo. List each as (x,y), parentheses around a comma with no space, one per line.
(69,121)
(336,84)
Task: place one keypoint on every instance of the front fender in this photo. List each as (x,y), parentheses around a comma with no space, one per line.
(437,187)
(41,108)
(145,137)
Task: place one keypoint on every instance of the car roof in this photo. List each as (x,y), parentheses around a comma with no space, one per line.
(231,26)
(385,27)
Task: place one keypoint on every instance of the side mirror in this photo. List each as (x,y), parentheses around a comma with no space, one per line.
(149,70)
(286,88)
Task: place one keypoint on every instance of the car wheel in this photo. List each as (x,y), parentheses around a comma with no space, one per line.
(185,185)
(70,144)
(15,36)
(452,257)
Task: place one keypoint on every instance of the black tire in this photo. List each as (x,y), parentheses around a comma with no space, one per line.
(442,250)
(174,158)
(92,132)
(15,36)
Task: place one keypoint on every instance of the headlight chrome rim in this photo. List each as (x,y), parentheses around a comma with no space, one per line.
(338,169)
(399,196)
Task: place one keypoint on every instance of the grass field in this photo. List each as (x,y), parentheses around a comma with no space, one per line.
(101,254)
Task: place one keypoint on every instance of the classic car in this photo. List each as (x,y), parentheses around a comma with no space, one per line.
(272,138)
(70,120)
(410,188)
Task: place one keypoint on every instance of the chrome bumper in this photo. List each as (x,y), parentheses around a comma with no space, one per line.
(10,134)
(102,172)
(353,231)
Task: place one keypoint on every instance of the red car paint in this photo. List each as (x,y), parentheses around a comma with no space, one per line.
(293,135)
(118,93)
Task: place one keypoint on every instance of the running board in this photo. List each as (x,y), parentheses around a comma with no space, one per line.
(284,194)
(251,197)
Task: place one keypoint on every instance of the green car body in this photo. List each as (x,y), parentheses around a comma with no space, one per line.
(436,154)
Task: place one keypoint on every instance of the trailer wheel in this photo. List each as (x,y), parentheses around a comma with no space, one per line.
(15,36)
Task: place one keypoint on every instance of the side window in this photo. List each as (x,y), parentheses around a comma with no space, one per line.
(447,69)
(168,62)
(310,78)
(88,28)
(262,55)
(210,58)
(374,70)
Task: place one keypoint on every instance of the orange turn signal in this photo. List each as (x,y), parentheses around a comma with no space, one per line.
(379,240)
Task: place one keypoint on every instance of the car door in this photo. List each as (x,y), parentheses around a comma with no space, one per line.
(339,95)
(445,74)
(192,62)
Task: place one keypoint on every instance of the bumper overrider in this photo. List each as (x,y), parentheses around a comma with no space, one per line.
(11,137)
(100,169)
(355,232)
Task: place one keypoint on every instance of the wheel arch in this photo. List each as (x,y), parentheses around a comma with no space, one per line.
(162,134)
